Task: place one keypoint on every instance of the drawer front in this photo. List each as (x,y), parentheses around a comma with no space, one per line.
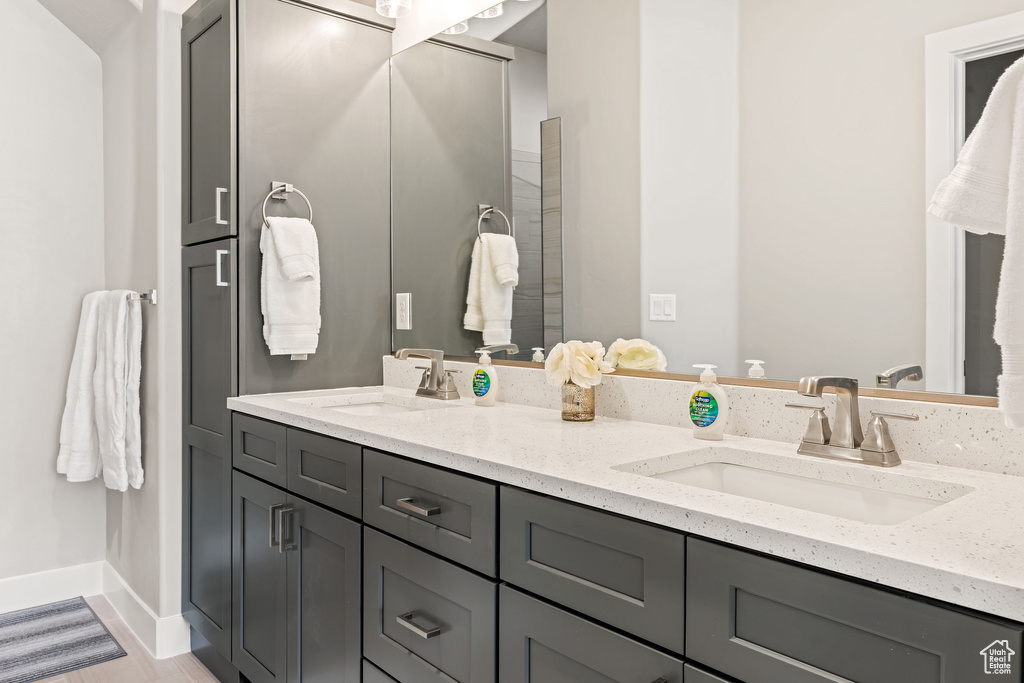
(326,470)
(543,643)
(449,514)
(426,620)
(695,675)
(258,447)
(625,573)
(372,674)
(764,620)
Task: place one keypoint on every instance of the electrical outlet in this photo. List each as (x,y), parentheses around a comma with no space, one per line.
(403,311)
(663,307)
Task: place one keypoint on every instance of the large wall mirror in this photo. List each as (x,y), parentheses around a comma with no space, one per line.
(739,179)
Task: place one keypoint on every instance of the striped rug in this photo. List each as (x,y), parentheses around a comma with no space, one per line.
(40,642)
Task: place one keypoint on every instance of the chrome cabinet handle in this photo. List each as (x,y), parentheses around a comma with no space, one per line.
(425,633)
(410,506)
(275,525)
(221,282)
(286,542)
(218,195)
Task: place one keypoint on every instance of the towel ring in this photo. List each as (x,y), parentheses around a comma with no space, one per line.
(278,188)
(491,209)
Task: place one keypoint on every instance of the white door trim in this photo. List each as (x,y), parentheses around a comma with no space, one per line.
(946,53)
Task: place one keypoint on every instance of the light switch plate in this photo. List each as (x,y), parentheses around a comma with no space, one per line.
(663,307)
(403,311)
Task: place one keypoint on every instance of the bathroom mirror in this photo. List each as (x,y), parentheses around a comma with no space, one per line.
(764,165)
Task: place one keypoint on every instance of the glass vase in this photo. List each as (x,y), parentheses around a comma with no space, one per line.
(577,403)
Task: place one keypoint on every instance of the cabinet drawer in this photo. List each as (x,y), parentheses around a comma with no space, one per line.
(326,470)
(449,514)
(543,643)
(625,573)
(764,620)
(695,675)
(425,619)
(372,674)
(258,447)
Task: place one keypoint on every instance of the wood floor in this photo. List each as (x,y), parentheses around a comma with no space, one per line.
(139,666)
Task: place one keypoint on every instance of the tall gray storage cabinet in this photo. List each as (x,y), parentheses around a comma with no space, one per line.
(272,91)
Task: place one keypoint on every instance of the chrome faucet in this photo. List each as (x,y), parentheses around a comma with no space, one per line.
(437,382)
(847,431)
(496,348)
(893,376)
(846,441)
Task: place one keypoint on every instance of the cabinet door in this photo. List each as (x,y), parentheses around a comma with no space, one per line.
(324,572)
(260,591)
(539,643)
(207,125)
(208,378)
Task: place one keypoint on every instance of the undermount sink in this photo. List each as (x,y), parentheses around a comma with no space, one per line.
(869,497)
(372,403)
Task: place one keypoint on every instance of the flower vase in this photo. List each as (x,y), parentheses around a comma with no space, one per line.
(577,403)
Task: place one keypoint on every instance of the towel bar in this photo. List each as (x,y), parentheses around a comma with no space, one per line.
(486,209)
(279,190)
(149,297)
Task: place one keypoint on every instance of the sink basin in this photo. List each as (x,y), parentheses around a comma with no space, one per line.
(373,403)
(871,497)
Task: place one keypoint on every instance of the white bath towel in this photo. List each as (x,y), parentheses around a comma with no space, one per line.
(79,456)
(101,428)
(985,194)
(290,285)
(493,273)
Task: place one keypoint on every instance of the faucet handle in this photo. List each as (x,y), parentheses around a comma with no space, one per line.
(425,379)
(878,439)
(818,429)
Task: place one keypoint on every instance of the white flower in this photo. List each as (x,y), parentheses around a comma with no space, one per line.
(636,354)
(581,363)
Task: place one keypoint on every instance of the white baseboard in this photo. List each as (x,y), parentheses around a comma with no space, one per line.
(162,636)
(30,590)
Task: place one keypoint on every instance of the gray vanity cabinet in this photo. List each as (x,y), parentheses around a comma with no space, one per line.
(765,621)
(208,379)
(539,642)
(296,591)
(207,119)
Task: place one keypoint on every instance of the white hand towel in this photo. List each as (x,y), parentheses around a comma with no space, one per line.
(985,193)
(116,389)
(290,284)
(489,299)
(78,456)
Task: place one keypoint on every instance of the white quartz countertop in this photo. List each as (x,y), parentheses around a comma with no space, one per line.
(968,551)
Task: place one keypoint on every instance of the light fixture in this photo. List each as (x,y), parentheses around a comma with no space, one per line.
(492,12)
(460,27)
(394,9)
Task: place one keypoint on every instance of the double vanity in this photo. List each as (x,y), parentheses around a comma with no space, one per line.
(410,539)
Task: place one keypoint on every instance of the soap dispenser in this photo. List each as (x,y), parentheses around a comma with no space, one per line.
(709,406)
(538,354)
(755,371)
(485,381)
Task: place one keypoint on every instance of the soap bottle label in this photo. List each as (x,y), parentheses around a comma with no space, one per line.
(481,383)
(703,409)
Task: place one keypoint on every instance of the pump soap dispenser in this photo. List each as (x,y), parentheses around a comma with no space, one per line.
(755,371)
(709,406)
(485,381)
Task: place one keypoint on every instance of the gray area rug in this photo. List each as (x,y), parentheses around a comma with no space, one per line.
(40,642)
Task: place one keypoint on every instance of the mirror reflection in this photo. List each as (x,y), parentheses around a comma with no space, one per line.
(737,179)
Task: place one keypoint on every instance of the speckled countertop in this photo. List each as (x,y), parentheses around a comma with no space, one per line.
(968,551)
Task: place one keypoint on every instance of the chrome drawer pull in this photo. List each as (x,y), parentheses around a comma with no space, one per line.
(410,506)
(425,633)
(275,528)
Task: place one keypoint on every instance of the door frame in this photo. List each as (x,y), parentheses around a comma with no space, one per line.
(946,54)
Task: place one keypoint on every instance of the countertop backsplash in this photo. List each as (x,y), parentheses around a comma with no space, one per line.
(972,437)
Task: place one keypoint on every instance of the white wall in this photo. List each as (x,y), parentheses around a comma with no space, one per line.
(51,228)
(832,241)
(141,93)
(593,85)
(528,87)
(690,178)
